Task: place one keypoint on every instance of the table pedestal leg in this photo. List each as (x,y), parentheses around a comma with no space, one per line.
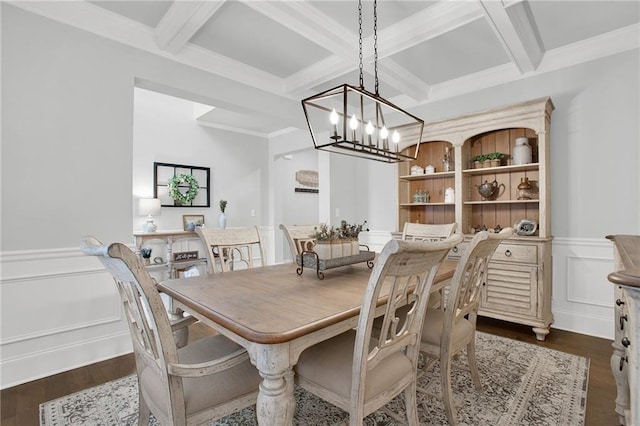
(276,403)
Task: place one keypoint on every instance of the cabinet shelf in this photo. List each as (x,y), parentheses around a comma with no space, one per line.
(501,202)
(501,169)
(426,204)
(428,176)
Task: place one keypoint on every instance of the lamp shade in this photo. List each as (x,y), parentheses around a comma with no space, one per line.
(149,207)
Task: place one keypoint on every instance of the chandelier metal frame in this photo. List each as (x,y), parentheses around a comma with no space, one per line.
(364,124)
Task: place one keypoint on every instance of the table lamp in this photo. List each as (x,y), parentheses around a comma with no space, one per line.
(149,207)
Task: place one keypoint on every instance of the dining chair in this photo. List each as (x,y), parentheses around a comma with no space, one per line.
(360,373)
(427,232)
(233,245)
(298,237)
(447,332)
(202,381)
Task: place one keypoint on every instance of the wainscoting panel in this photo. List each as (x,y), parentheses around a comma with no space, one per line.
(582,295)
(59,310)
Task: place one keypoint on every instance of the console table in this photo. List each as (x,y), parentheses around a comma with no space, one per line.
(625,361)
(168,237)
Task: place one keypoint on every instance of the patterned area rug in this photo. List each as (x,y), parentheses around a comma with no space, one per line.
(523,384)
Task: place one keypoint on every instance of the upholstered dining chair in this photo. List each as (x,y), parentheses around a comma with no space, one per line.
(427,232)
(447,332)
(359,373)
(234,245)
(298,237)
(202,381)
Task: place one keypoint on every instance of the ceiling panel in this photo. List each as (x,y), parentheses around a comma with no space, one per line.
(241,33)
(564,22)
(145,12)
(465,50)
(389,12)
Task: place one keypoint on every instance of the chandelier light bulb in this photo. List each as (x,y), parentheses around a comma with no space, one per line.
(395,137)
(353,123)
(333,117)
(369,128)
(384,133)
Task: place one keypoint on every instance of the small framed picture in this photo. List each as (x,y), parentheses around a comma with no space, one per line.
(190,221)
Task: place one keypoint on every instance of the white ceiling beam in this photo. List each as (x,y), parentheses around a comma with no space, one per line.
(308,22)
(182,21)
(515,29)
(96,20)
(422,26)
(403,80)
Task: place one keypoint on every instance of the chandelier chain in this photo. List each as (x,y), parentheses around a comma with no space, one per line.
(360,41)
(375,43)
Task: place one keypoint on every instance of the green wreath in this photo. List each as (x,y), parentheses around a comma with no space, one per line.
(174,189)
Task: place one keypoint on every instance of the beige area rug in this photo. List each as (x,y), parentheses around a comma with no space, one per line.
(523,384)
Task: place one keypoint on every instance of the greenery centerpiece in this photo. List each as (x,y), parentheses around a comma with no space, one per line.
(324,236)
(176,182)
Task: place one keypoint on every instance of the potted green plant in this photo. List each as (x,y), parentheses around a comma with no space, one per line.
(495,158)
(478,160)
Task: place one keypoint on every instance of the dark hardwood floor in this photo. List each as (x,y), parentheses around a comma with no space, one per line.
(20,403)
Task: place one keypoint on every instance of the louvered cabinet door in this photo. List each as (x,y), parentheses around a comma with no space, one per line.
(510,290)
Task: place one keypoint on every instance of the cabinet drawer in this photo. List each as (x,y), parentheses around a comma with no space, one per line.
(516,253)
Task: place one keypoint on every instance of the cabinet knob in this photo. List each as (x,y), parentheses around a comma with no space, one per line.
(623,318)
(622,361)
(625,342)
(619,302)
(455,250)
(507,253)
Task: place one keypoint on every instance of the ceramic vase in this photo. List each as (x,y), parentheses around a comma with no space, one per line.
(222,221)
(521,152)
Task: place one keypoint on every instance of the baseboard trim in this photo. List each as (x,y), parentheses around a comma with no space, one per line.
(36,365)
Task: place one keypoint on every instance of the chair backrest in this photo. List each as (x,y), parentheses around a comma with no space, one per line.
(149,325)
(466,285)
(298,238)
(406,269)
(427,232)
(232,245)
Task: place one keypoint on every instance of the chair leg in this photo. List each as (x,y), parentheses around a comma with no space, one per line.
(473,365)
(144,413)
(411,405)
(447,394)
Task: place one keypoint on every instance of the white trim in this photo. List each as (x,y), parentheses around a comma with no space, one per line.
(35,365)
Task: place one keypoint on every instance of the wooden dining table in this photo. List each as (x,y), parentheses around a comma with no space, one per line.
(276,314)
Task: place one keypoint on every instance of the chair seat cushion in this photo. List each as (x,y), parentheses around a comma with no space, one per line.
(330,365)
(204,392)
(434,325)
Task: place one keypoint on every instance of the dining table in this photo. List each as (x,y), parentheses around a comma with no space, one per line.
(276,314)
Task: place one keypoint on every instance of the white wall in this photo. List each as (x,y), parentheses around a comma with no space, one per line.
(67,171)
(68,155)
(166,131)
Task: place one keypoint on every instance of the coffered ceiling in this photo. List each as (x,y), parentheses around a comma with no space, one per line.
(428,50)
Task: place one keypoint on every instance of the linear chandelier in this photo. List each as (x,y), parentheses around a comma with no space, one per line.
(353,121)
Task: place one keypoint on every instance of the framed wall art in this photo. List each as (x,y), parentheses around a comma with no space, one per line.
(179,185)
(190,221)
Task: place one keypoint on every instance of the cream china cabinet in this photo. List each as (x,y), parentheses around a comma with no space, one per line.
(518,288)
